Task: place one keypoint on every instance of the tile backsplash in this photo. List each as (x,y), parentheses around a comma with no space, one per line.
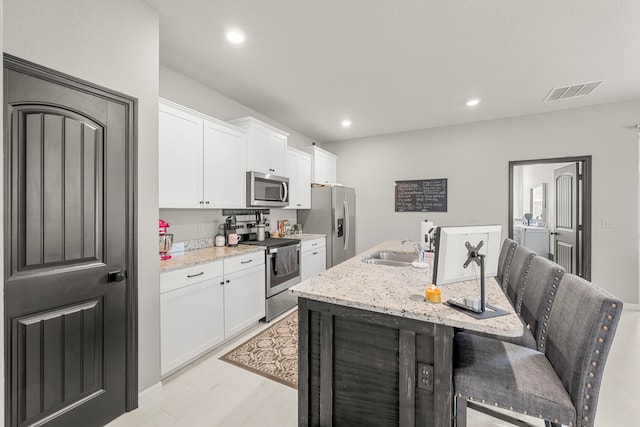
(194,224)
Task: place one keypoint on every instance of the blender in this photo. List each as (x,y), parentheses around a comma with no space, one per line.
(165,241)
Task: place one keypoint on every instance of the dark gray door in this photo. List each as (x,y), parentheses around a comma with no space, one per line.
(567,218)
(68,220)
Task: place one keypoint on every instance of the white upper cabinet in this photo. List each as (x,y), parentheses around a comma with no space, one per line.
(325,166)
(266,146)
(224,162)
(180,155)
(299,173)
(202,160)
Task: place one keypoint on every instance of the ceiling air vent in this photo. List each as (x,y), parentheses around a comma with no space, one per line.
(572,91)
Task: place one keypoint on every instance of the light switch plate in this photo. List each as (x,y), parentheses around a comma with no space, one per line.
(607,223)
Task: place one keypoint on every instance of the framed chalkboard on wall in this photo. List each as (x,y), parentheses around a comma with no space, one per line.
(423,195)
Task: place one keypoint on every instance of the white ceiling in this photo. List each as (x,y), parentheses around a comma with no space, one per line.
(397,65)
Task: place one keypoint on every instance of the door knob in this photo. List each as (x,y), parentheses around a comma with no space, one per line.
(116,276)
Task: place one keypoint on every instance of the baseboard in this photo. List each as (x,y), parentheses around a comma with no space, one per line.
(631,307)
(147,394)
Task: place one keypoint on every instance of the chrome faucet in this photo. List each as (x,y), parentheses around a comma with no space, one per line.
(418,249)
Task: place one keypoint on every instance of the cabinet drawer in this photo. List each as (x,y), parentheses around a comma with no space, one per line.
(308,245)
(190,275)
(241,262)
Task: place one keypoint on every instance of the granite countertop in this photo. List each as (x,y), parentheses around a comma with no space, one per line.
(387,289)
(308,236)
(204,255)
(208,254)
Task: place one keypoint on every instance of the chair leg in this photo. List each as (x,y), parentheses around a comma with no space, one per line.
(461,412)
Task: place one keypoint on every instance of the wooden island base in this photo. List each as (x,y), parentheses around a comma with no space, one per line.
(358,367)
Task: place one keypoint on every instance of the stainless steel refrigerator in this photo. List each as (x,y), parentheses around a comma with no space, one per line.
(333,212)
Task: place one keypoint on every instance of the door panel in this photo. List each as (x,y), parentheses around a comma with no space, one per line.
(62,218)
(566,230)
(60,352)
(68,221)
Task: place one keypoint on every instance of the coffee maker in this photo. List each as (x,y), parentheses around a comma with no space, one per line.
(230,227)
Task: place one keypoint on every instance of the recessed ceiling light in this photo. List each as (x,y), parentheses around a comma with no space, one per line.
(473,102)
(345,123)
(235,36)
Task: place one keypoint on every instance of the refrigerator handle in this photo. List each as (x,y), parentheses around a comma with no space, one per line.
(347,227)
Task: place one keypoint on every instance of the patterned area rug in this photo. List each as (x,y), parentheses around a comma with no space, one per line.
(273,353)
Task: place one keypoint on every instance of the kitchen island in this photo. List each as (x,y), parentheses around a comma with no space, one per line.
(372,351)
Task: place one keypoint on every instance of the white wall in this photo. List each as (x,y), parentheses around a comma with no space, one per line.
(114,44)
(185,91)
(475,159)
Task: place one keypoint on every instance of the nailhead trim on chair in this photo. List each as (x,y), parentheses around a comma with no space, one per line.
(552,295)
(505,272)
(518,303)
(587,412)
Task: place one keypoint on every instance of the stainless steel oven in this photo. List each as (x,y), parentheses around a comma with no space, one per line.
(282,271)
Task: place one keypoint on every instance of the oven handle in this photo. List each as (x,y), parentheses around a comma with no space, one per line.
(275,250)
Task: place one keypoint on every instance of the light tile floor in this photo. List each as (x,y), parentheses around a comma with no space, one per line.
(210,392)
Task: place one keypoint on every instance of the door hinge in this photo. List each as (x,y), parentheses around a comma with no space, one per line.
(580,227)
(579,176)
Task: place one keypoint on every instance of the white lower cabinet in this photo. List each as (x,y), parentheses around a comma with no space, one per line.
(313,257)
(244,299)
(191,316)
(204,305)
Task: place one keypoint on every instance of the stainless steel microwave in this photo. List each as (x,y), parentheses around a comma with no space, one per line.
(264,189)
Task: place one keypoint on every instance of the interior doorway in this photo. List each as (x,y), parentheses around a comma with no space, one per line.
(550,209)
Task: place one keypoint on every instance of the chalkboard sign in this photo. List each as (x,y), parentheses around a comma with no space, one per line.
(424,195)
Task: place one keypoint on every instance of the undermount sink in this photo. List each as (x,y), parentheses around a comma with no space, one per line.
(396,259)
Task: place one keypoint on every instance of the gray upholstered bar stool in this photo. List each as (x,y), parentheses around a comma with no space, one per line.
(504,260)
(560,386)
(536,299)
(517,274)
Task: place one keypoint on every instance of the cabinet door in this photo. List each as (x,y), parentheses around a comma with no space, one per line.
(180,158)
(299,173)
(292,168)
(277,154)
(303,178)
(224,166)
(325,167)
(244,299)
(191,322)
(313,262)
(258,149)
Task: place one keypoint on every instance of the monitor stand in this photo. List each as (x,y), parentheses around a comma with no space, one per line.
(474,255)
(489,311)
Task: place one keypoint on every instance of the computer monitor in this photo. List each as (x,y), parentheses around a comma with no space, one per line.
(452,253)
(467,253)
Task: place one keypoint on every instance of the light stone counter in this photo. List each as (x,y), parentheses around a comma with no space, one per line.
(388,289)
(202,256)
(308,236)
